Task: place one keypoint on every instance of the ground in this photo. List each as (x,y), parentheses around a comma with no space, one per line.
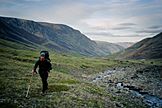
(76,81)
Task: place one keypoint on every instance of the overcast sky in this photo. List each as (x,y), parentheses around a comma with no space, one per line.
(105,20)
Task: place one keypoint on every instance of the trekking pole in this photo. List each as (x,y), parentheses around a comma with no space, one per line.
(29,86)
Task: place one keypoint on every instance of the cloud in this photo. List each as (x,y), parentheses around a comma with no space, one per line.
(117,39)
(124,26)
(108,34)
(149,31)
(102,18)
(121,28)
(33,0)
(70,13)
(155,27)
(99,33)
(127,24)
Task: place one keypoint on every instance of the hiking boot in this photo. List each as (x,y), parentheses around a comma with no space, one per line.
(43,93)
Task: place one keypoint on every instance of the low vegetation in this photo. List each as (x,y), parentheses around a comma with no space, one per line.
(70,81)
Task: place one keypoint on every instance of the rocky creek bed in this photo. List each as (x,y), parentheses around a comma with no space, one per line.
(141,82)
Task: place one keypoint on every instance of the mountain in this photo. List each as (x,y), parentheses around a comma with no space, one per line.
(109,48)
(149,48)
(125,44)
(58,37)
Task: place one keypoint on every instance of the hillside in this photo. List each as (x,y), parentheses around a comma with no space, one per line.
(125,44)
(57,37)
(149,48)
(77,81)
(109,48)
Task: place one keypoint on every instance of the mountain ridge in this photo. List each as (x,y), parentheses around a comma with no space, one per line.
(59,37)
(149,48)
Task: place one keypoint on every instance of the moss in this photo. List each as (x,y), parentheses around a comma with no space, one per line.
(96,90)
(83,66)
(58,88)
(8,105)
(66,87)
(69,81)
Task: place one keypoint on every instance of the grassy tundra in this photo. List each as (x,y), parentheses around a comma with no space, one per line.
(70,81)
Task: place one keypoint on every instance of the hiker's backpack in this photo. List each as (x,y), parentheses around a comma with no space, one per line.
(46,55)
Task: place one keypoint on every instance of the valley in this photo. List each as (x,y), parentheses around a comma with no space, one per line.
(85,74)
(75,81)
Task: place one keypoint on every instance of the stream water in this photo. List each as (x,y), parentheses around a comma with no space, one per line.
(151,100)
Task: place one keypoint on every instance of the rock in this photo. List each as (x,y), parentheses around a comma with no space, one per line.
(136,94)
(133,88)
(119,105)
(118,91)
(119,85)
(110,81)
(139,71)
(143,92)
(134,76)
(152,62)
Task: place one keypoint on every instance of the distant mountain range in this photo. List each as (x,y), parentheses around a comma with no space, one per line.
(57,37)
(149,48)
(108,47)
(125,44)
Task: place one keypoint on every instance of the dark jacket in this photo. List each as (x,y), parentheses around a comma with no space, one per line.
(43,65)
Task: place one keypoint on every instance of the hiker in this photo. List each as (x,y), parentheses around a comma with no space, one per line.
(44,68)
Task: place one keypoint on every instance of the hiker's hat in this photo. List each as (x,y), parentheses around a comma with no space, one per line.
(42,54)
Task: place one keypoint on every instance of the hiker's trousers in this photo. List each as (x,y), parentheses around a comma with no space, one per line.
(44,77)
